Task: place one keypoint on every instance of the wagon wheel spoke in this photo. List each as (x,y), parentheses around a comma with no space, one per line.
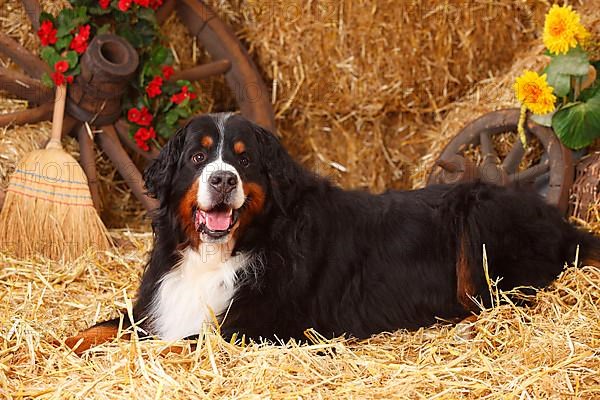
(111,145)
(31,64)
(453,165)
(24,87)
(488,152)
(513,158)
(28,116)
(88,163)
(33,11)
(203,71)
(456,168)
(530,173)
(122,128)
(164,11)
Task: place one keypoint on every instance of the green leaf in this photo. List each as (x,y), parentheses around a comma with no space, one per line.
(45,16)
(182,110)
(578,125)
(562,67)
(159,55)
(66,22)
(76,71)
(72,58)
(543,120)
(147,14)
(164,130)
(46,80)
(49,54)
(103,29)
(590,92)
(63,42)
(172,117)
(183,82)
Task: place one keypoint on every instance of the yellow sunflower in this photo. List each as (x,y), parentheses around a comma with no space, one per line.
(533,92)
(563,29)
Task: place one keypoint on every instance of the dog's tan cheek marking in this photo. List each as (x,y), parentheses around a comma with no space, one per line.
(257,202)
(206,142)
(239,147)
(186,216)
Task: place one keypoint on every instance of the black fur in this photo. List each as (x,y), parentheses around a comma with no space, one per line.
(349,262)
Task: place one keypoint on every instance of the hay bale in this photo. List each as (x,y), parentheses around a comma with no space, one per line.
(355,82)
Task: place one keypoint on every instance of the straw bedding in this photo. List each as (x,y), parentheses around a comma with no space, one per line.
(357,103)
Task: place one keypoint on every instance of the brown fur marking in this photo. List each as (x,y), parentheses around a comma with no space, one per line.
(207,141)
(93,337)
(239,147)
(185,214)
(256,194)
(465,288)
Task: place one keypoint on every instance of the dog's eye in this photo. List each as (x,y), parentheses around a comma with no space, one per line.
(244,161)
(198,158)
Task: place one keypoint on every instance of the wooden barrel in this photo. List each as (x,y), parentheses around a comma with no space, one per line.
(107,67)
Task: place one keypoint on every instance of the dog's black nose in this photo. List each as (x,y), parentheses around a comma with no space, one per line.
(223,181)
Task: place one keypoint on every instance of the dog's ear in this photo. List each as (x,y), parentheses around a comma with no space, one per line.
(159,175)
(284,174)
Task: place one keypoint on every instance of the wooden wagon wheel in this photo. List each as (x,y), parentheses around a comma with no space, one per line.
(552,176)
(108,64)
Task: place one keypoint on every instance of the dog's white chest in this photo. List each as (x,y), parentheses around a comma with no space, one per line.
(202,285)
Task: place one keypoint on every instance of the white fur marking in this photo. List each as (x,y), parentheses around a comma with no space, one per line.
(203,284)
(204,197)
(220,120)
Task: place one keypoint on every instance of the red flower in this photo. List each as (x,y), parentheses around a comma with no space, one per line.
(154,4)
(61,66)
(145,117)
(142,136)
(142,145)
(153,88)
(104,4)
(133,115)
(143,3)
(58,78)
(167,72)
(47,33)
(178,98)
(124,5)
(79,42)
(70,79)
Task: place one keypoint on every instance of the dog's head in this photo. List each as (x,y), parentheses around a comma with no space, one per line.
(216,176)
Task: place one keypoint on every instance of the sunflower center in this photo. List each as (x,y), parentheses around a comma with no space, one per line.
(558,28)
(533,92)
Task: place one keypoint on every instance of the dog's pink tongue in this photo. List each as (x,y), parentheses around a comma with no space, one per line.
(218,220)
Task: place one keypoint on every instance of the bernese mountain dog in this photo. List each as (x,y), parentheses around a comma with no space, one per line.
(246,237)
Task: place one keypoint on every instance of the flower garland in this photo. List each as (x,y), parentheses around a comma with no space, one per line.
(566,96)
(157,104)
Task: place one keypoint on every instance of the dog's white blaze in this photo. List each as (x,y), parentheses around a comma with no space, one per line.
(202,284)
(204,198)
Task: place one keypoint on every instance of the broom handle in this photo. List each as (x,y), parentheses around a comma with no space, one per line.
(57,118)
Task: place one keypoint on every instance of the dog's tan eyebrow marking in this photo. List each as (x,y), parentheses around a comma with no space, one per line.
(206,141)
(239,147)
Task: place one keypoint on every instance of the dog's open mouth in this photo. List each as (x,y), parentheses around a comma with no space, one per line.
(217,222)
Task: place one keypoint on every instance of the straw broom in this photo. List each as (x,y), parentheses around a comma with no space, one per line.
(48,209)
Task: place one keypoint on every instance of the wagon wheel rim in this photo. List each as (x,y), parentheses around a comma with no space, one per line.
(556,162)
(229,58)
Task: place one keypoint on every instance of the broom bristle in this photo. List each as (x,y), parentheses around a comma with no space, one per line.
(48,209)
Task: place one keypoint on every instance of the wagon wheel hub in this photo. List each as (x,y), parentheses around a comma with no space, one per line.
(552,176)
